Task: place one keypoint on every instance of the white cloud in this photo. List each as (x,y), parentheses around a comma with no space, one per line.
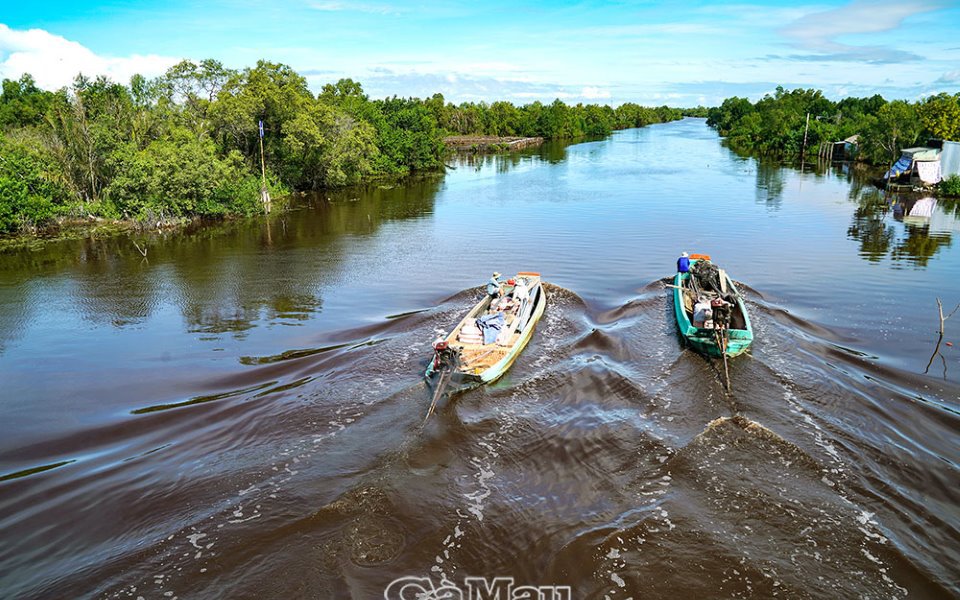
(857,17)
(950,77)
(593,93)
(818,31)
(54,61)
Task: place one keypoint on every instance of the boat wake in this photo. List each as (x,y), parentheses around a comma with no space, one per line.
(609,458)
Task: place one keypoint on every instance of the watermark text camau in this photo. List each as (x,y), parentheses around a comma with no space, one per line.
(473,588)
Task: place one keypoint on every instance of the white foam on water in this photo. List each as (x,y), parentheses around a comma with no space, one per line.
(870,556)
(250,518)
(613,562)
(510,415)
(484,471)
(819,435)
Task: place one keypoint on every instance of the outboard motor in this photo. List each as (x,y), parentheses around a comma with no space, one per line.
(722,313)
(446,360)
(445,357)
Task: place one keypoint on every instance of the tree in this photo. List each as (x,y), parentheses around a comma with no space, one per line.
(728,114)
(193,88)
(178,177)
(187,143)
(271,92)
(895,128)
(940,116)
(329,148)
(410,137)
(29,195)
(88,125)
(22,103)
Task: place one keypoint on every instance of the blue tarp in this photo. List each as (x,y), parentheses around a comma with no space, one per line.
(901,166)
(491,325)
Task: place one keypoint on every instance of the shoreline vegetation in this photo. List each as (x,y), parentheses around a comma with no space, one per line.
(186,145)
(776,125)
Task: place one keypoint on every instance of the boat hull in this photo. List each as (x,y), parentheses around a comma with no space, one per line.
(463,380)
(459,382)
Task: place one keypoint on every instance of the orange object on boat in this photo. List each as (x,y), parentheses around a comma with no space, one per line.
(700,256)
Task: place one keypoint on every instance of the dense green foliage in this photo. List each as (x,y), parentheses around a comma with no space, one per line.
(28,187)
(951,186)
(701,112)
(188,143)
(775,124)
(553,121)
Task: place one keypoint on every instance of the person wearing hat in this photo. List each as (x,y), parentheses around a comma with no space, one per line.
(493,286)
(683,263)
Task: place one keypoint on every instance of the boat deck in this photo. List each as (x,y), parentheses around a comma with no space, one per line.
(737,319)
(479,357)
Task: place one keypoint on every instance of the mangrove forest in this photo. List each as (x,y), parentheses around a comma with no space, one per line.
(777,123)
(187,144)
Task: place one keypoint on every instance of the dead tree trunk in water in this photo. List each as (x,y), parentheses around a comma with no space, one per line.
(936,350)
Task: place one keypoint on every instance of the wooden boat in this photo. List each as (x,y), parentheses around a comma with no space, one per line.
(462,360)
(728,331)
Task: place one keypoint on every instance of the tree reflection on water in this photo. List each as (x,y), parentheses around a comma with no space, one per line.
(869,227)
(227,277)
(916,242)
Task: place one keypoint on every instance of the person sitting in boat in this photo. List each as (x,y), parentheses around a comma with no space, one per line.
(683,263)
(520,291)
(493,286)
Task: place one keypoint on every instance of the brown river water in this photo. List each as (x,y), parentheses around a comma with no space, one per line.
(239,413)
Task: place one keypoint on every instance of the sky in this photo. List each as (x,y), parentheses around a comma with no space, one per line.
(650,52)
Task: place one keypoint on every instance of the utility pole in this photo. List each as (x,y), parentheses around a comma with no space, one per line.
(264,193)
(803,149)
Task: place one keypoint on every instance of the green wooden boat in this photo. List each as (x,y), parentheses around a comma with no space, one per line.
(462,361)
(690,292)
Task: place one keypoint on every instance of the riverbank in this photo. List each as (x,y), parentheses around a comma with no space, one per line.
(95,228)
(64,229)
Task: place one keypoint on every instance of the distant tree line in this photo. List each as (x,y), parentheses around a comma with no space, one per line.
(552,121)
(699,111)
(187,143)
(775,124)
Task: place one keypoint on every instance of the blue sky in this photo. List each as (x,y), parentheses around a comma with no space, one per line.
(651,52)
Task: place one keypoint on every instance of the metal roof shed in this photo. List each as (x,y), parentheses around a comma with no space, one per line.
(950,159)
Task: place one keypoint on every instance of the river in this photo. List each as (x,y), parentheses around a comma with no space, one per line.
(238,413)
